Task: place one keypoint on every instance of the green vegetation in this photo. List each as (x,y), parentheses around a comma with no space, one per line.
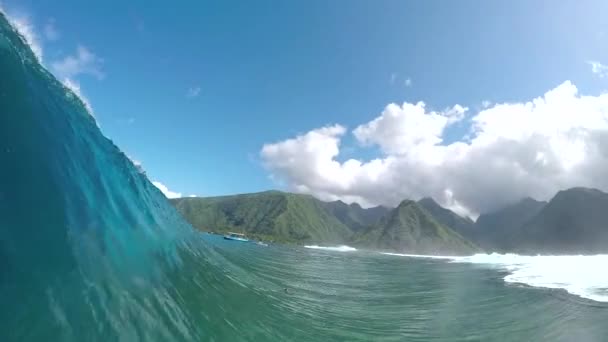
(574,221)
(411,229)
(271,216)
(292,218)
(354,216)
(461,225)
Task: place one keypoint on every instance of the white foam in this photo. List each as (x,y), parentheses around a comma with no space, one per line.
(419,256)
(342,248)
(581,275)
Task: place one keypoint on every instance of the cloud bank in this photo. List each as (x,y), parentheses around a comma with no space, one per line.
(510,150)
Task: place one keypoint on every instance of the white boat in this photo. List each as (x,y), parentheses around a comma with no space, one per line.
(236,237)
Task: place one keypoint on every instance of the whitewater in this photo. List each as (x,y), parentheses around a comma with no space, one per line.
(579,275)
(341,248)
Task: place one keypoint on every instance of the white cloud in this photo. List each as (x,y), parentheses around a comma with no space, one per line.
(486,103)
(50,30)
(193,92)
(26,29)
(395,76)
(514,150)
(399,129)
(168,193)
(598,68)
(82,62)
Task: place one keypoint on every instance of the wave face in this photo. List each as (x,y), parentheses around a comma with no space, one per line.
(89,248)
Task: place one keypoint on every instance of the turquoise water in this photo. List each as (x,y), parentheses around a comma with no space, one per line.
(91,251)
(361,296)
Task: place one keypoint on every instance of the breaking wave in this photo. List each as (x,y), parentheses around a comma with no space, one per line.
(342,248)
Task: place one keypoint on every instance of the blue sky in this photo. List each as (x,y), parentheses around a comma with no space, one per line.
(194,90)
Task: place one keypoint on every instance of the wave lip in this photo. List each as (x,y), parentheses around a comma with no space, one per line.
(342,248)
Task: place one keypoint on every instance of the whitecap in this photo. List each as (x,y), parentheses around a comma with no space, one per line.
(342,248)
(581,275)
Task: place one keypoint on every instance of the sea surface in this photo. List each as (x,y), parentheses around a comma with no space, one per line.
(90,250)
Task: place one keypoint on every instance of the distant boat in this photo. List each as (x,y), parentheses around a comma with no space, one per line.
(236,237)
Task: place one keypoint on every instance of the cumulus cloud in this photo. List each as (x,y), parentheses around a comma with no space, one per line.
(83,61)
(511,150)
(193,92)
(400,128)
(168,193)
(598,68)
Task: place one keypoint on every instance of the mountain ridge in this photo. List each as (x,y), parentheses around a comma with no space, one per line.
(525,226)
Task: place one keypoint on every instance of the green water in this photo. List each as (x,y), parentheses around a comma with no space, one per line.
(365,296)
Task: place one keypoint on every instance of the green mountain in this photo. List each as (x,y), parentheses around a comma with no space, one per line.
(271,215)
(410,228)
(461,225)
(353,215)
(575,221)
(494,231)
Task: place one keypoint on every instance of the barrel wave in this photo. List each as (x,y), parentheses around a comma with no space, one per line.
(90,250)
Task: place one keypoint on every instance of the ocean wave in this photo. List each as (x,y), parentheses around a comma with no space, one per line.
(342,248)
(419,256)
(580,275)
